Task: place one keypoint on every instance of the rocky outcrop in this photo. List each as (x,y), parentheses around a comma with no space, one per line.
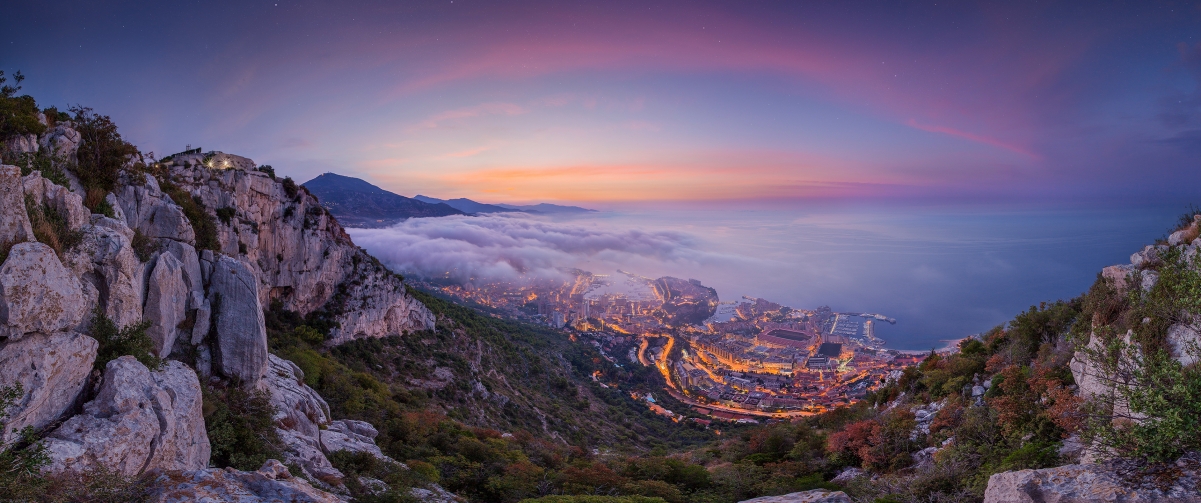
(62,141)
(38,294)
(1089,483)
(166,303)
(814,496)
(153,213)
(61,199)
(139,420)
(297,407)
(14,227)
(271,483)
(241,350)
(109,269)
(353,436)
(301,256)
(52,371)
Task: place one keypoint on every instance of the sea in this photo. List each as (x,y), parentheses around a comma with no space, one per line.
(943,272)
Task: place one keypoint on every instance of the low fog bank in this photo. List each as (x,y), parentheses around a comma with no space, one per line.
(517,247)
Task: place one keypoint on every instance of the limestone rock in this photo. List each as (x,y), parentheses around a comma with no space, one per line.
(305,453)
(1118,275)
(1084,483)
(62,141)
(140,420)
(1185,341)
(166,303)
(848,475)
(1087,374)
(300,254)
(105,260)
(204,318)
(271,483)
(297,407)
(14,226)
(353,436)
(23,144)
(152,212)
(241,350)
(433,494)
(67,203)
(38,294)
(52,370)
(189,261)
(1148,257)
(814,496)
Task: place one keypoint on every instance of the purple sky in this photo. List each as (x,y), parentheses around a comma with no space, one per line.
(608,103)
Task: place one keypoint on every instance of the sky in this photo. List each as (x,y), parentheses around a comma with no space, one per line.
(945,163)
(612,104)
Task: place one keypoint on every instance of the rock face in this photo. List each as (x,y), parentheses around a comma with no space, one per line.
(351,435)
(14,227)
(241,335)
(153,213)
(61,199)
(38,294)
(139,420)
(300,255)
(271,483)
(106,263)
(166,303)
(814,496)
(52,370)
(1085,483)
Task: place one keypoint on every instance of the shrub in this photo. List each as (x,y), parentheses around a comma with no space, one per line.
(117,342)
(1155,411)
(290,187)
(102,152)
(225,214)
(266,168)
(50,227)
(42,162)
(144,246)
(240,427)
(203,224)
(18,115)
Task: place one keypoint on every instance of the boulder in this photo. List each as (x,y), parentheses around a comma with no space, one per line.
(62,141)
(1086,483)
(305,453)
(434,493)
(166,303)
(153,213)
(38,294)
(52,370)
(140,420)
(814,496)
(353,436)
(14,227)
(1118,275)
(271,483)
(1087,374)
(848,475)
(61,199)
(23,144)
(189,262)
(204,318)
(105,260)
(1184,339)
(241,350)
(297,407)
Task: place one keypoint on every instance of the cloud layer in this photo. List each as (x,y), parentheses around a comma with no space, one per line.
(514,248)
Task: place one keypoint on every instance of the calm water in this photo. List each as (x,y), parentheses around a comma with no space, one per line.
(943,273)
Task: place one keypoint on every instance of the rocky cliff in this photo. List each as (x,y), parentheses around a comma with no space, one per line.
(189,251)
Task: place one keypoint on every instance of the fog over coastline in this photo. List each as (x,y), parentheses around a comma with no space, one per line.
(516,247)
(942,272)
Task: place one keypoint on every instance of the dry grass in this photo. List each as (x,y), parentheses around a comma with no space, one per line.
(50,228)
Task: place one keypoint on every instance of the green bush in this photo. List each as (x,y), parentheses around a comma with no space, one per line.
(42,162)
(203,224)
(1155,412)
(225,214)
(117,342)
(18,114)
(240,428)
(143,246)
(102,152)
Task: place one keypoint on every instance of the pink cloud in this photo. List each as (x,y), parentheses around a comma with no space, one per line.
(973,137)
(434,121)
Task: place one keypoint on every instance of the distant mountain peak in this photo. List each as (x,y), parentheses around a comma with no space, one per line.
(358,203)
